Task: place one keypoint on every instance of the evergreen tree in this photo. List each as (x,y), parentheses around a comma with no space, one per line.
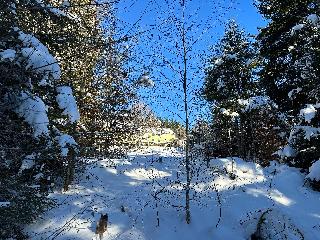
(290,73)
(245,122)
(289,47)
(34,150)
(71,31)
(115,95)
(228,79)
(230,74)
(303,148)
(92,62)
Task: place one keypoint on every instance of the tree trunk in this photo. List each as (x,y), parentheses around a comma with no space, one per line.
(185,86)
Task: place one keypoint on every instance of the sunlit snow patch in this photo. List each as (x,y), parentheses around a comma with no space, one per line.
(146,174)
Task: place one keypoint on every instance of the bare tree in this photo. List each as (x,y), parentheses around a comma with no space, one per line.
(172,55)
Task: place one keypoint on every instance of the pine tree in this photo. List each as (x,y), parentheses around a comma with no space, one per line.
(92,62)
(33,148)
(230,73)
(115,96)
(289,47)
(229,78)
(304,140)
(72,33)
(290,73)
(245,121)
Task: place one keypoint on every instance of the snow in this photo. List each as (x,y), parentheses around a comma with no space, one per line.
(314,171)
(28,162)
(231,56)
(220,83)
(143,174)
(297,27)
(249,62)
(65,4)
(13,8)
(291,48)
(287,151)
(119,187)
(167,131)
(294,92)
(308,131)
(4,204)
(8,54)
(228,112)
(313,19)
(199,146)
(38,57)
(58,12)
(145,81)
(255,102)
(308,113)
(34,112)
(65,141)
(218,61)
(67,103)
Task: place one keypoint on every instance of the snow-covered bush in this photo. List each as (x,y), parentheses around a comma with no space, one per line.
(303,144)
(314,175)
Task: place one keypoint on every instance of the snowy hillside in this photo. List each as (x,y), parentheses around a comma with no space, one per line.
(148,183)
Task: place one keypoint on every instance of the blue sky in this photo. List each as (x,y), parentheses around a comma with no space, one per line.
(157,48)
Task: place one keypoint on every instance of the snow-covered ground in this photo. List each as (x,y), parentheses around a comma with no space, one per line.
(141,191)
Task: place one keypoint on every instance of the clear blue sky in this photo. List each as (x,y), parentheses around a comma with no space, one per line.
(155,47)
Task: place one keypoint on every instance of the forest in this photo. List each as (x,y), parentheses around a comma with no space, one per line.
(159,119)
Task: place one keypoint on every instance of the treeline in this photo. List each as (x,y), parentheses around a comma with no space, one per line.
(264,91)
(64,96)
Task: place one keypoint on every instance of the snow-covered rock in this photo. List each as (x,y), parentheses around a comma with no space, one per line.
(274,225)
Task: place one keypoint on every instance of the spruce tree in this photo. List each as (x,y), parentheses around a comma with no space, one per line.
(230,73)
(34,149)
(290,73)
(229,78)
(289,47)
(245,121)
